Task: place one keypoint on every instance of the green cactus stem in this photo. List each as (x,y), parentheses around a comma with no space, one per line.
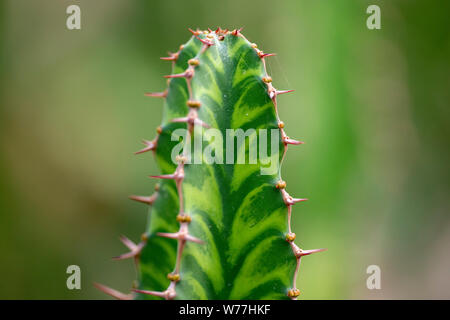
(217,230)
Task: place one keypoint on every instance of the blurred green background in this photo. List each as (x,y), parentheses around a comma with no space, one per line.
(372,106)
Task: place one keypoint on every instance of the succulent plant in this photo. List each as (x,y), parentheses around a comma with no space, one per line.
(220,229)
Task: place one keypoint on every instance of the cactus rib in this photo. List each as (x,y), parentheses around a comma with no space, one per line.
(293,293)
(183,233)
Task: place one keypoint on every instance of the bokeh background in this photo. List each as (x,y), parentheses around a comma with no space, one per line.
(372,106)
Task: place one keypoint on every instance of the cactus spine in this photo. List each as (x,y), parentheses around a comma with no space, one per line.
(217,230)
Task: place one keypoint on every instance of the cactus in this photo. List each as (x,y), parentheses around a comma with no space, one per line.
(217,230)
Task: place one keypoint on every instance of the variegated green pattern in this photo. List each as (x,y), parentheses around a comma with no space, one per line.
(238,213)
